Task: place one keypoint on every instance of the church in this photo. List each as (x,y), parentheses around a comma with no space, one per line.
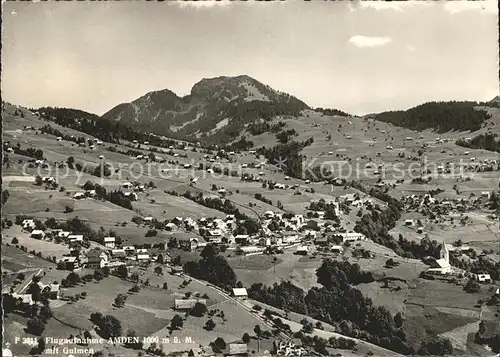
(442,265)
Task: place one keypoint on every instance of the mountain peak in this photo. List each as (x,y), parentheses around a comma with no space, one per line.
(210,107)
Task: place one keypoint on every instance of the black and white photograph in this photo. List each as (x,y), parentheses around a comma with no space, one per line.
(250,178)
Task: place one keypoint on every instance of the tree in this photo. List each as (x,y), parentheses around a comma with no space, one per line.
(436,347)
(220,344)
(160,259)
(165,286)
(246,338)
(158,270)
(210,325)
(35,291)
(176,322)
(257,330)
(398,320)
(199,309)
(209,251)
(472,286)
(135,289)
(15,241)
(35,326)
(122,272)
(109,326)
(38,180)
(73,278)
(120,300)
(45,313)
(5,196)
(96,317)
(135,345)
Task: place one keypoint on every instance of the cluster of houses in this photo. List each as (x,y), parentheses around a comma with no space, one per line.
(49,291)
(96,258)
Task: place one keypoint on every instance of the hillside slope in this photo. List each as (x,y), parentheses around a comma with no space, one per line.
(221,105)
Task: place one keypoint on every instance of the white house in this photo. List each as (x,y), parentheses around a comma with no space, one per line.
(127,185)
(63,234)
(29,224)
(240,293)
(109,242)
(97,259)
(75,238)
(38,234)
(483,278)
(302,250)
(79,195)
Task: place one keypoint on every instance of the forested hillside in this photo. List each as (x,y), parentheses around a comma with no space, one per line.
(440,116)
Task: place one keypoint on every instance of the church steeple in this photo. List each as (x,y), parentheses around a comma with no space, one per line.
(445,254)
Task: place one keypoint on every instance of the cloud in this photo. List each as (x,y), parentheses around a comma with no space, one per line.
(200,3)
(455,7)
(369,41)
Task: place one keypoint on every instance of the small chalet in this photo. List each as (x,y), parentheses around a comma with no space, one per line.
(97,259)
(176,270)
(109,242)
(237,349)
(75,238)
(52,291)
(29,224)
(240,293)
(37,233)
(302,250)
(321,241)
(242,239)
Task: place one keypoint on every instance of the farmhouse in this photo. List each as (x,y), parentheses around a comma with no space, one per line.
(97,259)
(79,195)
(321,241)
(483,278)
(127,185)
(242,239)
(38,234)
(70,263)
(109,242)
(288,348)
(142,257)
(240,293)
(351,236)
(176,270)
(237,349)
(269,214)
(75,238)
(25,299)
(187,304)
(29,224)
(131,196)
(336,249)
(302,250)
(52,291)
(63,234)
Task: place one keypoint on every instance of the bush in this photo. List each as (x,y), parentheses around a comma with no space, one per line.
(472,286)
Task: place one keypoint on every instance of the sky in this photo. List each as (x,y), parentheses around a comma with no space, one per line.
(360,57)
